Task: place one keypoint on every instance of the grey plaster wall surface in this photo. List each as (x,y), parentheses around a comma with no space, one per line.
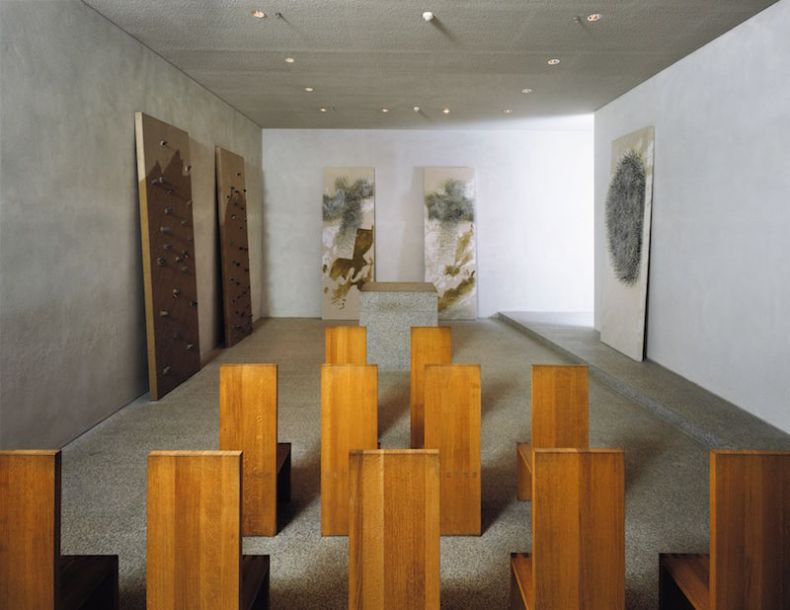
(719,286)
(534,210)
(72,327)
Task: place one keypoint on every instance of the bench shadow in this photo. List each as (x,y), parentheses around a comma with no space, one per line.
(498,487)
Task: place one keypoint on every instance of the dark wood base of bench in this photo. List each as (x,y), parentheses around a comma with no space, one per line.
(255,582)
(89,582)
(283,472)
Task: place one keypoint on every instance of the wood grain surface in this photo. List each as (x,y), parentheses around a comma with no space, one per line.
(345,345)
(429,345)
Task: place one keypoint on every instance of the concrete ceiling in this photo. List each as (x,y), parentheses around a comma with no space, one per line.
(474,58)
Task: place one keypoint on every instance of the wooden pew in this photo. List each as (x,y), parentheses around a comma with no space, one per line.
(345,345)
(560,418)
(429,345)
(749,563)
(578,533)
(248,423)
(194,535)
(452,425)
(393,541)
(349,420)
(33,573)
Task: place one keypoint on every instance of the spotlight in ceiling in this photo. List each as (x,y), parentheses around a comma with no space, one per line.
(289,60)
(322,109)
(526,91)
(309,89)
(594,17)
(258,14)
(427,16)
(385,110)
(416,109)
(445,110)
(508,111)
(553,61)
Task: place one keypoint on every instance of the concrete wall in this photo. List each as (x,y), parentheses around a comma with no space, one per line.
(72,327)
(534,210)
(719,287)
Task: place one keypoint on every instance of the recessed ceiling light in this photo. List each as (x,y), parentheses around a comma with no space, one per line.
(526,91)
(385,110)
(508,111)
(416,109)
(258,14)
(289,60)
(322,109)
(594,17)
(427,16)
(309,89)
(553,62)
(446,110)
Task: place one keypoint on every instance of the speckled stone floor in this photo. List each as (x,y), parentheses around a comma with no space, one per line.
(104,471)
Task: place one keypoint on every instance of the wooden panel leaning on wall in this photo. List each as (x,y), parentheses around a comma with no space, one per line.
(393,542)
(429,345)
(452,426)
(749,563)
(33,574)
(234,246)
(578,533)
(168,247)
(345,345)
(248,423)
(349,420)
(560,418)
(194,535)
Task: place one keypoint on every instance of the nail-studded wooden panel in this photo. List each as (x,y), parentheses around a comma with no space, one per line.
(168,245)
(232,204)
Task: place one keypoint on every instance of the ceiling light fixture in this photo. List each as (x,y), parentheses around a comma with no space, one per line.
(553,62)
(289,60)
(385,110)
(427,16)
(446,110)
(526,91)
(416,109)
(309,89)
(594,17)
(322,109)
(508,111)
(258,14)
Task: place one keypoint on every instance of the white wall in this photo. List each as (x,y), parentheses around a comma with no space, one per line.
(534,210)
(719,287)
(72,320)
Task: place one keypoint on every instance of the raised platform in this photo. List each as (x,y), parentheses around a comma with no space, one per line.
(707,418)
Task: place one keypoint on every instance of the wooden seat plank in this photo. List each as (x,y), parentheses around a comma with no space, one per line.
(690,573)
(345,345)
(88,581)
(429,345)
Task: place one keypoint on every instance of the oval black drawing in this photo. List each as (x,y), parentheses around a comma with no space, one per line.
(625,216)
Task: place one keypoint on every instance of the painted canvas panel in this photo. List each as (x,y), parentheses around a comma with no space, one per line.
(629,204)
(450,245)
(348,239)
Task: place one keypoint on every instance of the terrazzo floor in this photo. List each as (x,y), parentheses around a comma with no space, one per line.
(104,471)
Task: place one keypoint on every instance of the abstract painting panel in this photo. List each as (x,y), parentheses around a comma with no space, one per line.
(628,211)
(348,239)
(450,245)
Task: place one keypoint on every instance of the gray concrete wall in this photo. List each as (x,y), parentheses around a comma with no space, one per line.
(72,327)
(719,286)
(534,210)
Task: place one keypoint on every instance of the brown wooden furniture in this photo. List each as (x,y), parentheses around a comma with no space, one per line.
(248,423)
(349,420)
(393,541)
(33,573)
(194,535)
(429,345)
(578,533)
(560,416)
(345,345)
(749,563)
(234,246)
(452,426)
(168,245)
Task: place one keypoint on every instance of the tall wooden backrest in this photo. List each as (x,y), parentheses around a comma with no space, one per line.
(345,345)
(393,542)
(578,529)
(29,529)
(749,529)
(429,345)
(560,405)
(349,420)
(452,426)
(248,423)
(194,530)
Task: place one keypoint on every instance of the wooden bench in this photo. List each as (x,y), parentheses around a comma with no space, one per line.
(345,345)
(248,423)
(560,416)
(393,541)
(349,420)
(452,426)
(33,573)
(749,562)
(194,535)
(578,533)
(429,345)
